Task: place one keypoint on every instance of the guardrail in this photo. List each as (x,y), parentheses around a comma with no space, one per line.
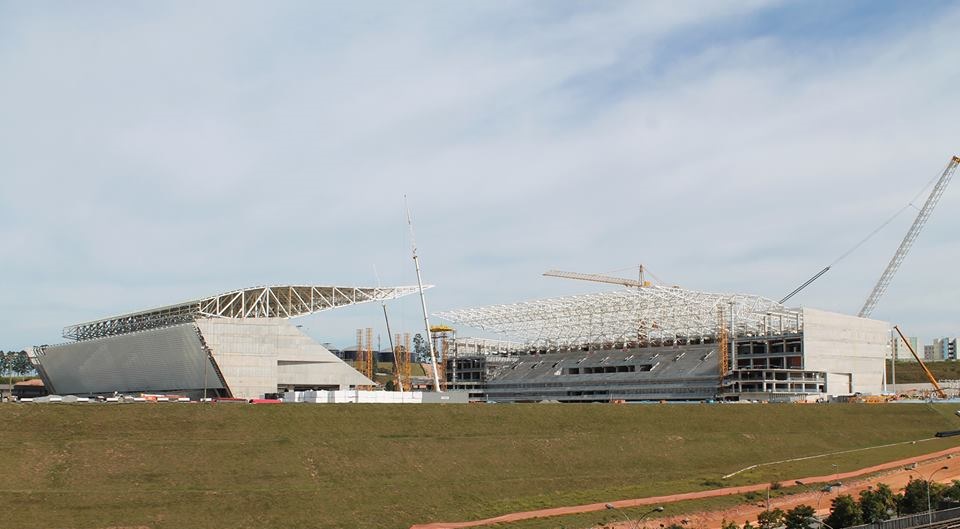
(913,520)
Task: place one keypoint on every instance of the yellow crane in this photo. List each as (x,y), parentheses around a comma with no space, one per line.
(926,371)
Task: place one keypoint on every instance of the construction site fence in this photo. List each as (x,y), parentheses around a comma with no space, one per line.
(914,520)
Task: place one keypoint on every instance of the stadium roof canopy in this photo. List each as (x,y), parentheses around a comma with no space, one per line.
(648,315)
(255,302)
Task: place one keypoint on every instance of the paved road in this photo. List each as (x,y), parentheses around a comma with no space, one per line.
(711,520)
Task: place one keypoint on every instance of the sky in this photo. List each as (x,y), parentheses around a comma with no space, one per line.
(157,152)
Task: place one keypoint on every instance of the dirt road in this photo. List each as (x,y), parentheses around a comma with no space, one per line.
(896,478)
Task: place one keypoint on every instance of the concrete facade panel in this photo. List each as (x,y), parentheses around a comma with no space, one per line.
(258,355)
(849,349)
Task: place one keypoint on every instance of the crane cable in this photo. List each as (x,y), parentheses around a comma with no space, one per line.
(852,249)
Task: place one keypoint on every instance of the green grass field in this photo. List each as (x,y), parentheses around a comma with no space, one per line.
(369,466)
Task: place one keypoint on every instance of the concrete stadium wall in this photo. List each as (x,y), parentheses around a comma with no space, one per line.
(258,354)
(849,349)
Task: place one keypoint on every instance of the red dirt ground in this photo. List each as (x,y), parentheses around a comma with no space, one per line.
(897,478)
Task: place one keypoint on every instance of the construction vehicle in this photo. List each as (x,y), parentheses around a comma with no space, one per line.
(926,371)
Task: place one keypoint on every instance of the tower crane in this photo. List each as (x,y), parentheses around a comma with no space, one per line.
(911,236)
(600,278)
(905,245)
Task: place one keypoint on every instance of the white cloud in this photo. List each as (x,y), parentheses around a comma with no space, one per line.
(156,152)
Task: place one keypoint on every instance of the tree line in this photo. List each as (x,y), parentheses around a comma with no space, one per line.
(873,505)
(15,363)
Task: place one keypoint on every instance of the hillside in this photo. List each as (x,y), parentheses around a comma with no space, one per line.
(910,372)
(366,466)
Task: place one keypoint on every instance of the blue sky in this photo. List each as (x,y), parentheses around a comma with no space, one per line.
(152,153)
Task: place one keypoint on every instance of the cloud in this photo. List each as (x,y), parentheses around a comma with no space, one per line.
(153,153)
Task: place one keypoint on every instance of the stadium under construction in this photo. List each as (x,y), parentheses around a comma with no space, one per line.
(642,342)
(648,343)
(666,343)
(653,342)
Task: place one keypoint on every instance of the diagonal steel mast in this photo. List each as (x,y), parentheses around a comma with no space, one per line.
(423,305)
(911,236)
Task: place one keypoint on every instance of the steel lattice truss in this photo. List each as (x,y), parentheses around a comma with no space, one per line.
(650,315)
(256,302)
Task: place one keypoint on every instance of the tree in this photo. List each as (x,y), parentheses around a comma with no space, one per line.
(728,524)
(14,363)
(420,347)
(914,498)
(950,496)
(878,504)
(845,512)
(5,368)
(21,363)
(799,517)
(770,519)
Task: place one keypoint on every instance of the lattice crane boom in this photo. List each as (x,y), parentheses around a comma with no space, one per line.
(598,278)
(908,240)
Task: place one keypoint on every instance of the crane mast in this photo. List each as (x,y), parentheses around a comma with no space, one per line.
(908,240)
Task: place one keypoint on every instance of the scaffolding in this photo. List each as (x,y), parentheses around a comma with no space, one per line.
(723,344)
(401,361)
(443,337)
(366,357)
(650,316)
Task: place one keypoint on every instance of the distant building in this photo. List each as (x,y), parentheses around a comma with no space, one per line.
(929,354)
(944,348)
(901,352)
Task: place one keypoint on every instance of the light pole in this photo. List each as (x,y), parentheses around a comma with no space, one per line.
(636,524)
(818,521)
(929,508)
(825,489)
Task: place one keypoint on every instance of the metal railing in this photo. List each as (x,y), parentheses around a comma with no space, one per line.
(914,520)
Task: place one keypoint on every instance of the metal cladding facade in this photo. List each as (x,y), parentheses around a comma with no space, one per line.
(160,360)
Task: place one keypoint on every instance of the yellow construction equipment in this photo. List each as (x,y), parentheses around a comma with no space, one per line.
(366,358)
(926,371)
(443,337)
(359,362)
(723,344)
(401,362)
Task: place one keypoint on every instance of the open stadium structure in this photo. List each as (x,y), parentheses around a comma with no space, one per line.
(237,344)
(669,343)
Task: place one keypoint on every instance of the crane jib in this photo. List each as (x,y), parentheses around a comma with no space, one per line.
(910,237)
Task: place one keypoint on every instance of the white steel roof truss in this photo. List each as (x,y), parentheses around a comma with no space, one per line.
(650,314)
(256,302)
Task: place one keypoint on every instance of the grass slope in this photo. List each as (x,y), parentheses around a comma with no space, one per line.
(366,466)
(911,373)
